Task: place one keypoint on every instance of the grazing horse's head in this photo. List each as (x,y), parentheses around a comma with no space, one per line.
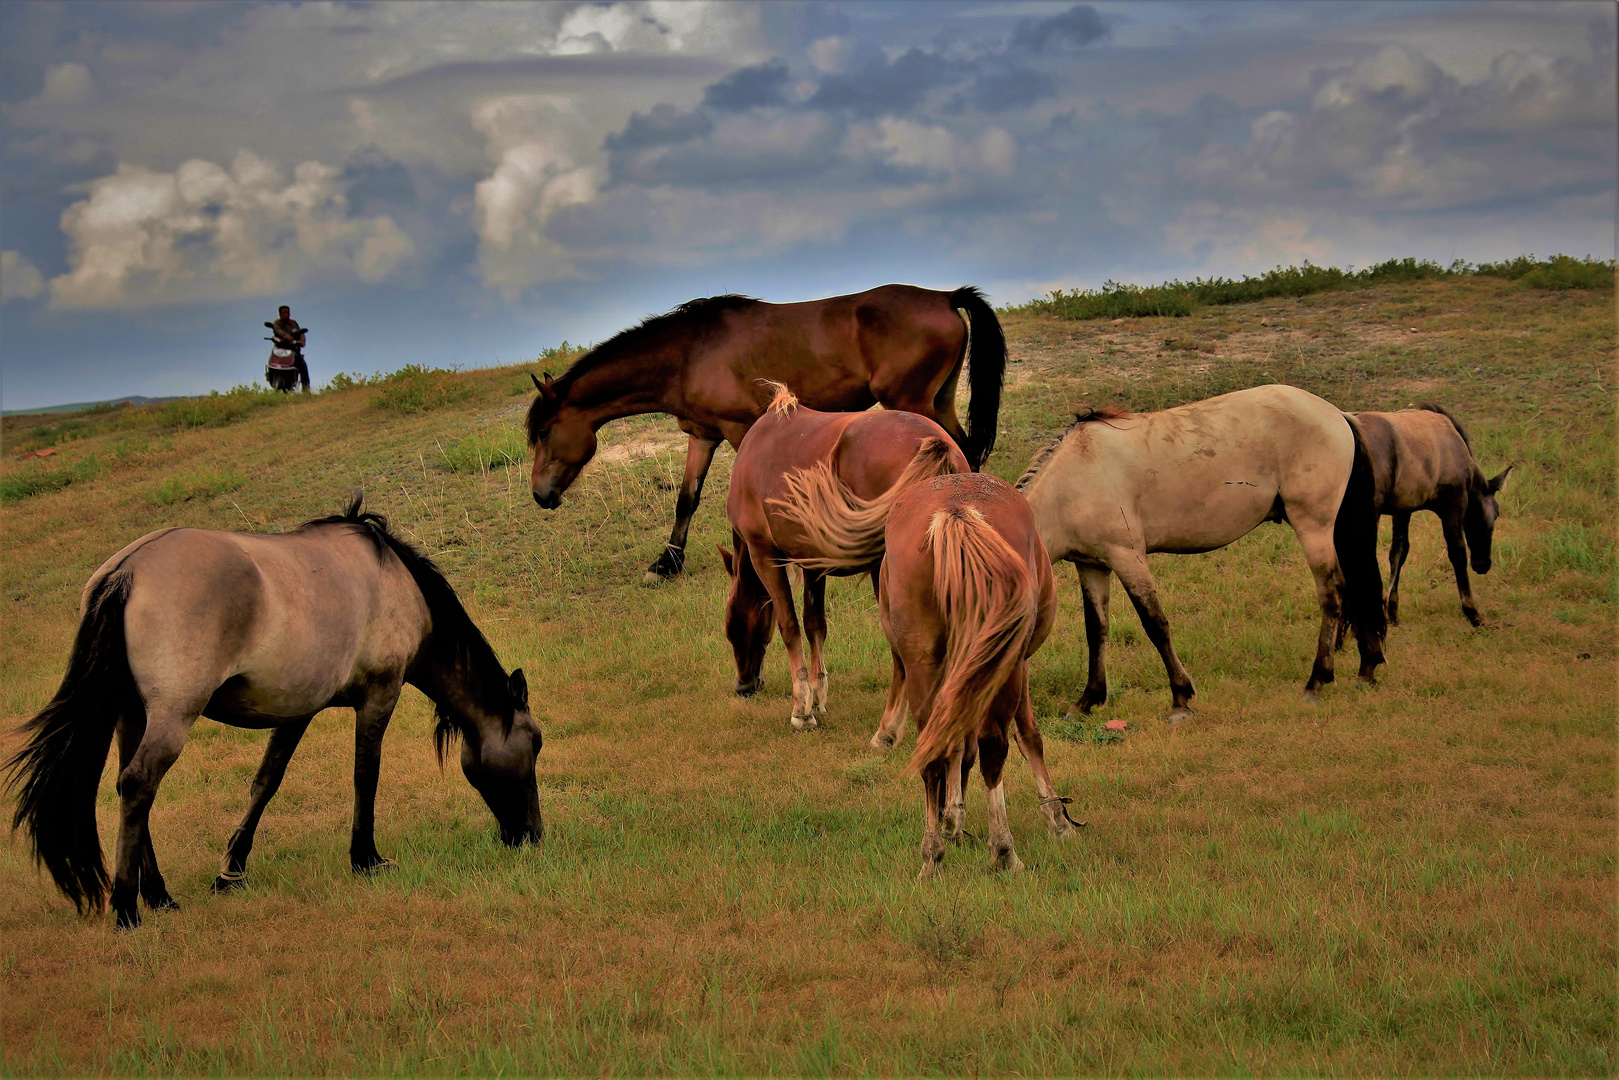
(498,752)
(748,620)
(563,440)
(1479,521)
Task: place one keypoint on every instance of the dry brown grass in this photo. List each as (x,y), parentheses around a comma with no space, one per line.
(1413,878)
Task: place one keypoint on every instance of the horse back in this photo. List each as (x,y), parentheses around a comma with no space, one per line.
(285,623)
(1419,458)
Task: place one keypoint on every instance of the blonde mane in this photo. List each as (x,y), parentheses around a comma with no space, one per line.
(782,401)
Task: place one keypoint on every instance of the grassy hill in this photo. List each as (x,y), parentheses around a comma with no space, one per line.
(1416,877)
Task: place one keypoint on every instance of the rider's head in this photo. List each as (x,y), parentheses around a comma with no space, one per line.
(284,310)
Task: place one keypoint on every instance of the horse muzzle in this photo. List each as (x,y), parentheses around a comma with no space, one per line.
(749,687)
(548,501)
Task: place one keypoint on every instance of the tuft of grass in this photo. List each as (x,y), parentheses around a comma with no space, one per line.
(1178,299)
(485,451)
(38,478)
(177,489)
(214,410)
(1086,729)
(414,389)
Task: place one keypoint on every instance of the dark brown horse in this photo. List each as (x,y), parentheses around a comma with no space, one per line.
(1423,460)
(813,489)
(966,597)
(259,632)
(896,345)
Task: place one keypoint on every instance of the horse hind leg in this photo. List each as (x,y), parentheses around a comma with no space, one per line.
(992,751)
(149,761)
(1322,555)
(773,574)
(284,741)
(815,631)
(892,726)
(1143,592)
(1399,550)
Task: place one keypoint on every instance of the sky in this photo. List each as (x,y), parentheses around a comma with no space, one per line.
(468,183)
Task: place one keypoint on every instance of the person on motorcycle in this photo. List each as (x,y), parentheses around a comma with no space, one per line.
(289,335)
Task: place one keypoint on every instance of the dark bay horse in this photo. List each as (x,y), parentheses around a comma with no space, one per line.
(896,345)
(259,631)
(966,597)
(1423,460)
(796,469)
(1114,487)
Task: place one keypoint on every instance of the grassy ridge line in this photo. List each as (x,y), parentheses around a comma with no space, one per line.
(1177,299)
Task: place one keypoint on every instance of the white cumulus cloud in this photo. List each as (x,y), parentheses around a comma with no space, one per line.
(205,232)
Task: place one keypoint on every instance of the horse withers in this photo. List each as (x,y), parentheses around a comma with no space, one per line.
(1115,486)
(1423,460)
(896,345)
(812,489)
(259,631)
(966,597)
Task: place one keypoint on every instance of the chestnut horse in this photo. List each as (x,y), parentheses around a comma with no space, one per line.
(796,468)
(259,632)
(897,345)
(966,597)
(1423,460)
(1114,487)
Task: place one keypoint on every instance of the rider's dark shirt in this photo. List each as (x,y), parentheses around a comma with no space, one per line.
(288,331)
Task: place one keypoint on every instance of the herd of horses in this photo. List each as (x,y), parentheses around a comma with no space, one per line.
(266,631)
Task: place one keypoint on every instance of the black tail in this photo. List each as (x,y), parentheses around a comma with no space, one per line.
(986,367)
(1354,536)
(55,776)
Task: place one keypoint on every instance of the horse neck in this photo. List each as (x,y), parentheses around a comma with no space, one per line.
(640,381)
(459,687)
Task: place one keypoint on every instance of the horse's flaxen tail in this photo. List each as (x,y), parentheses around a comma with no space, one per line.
(1354,537)
(986,368)
(56,774)
(841,523)
(987,597)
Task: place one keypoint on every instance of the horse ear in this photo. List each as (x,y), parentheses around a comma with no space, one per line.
(728,559)
(519,688)
(1499,480)
(550,387)
(537,384)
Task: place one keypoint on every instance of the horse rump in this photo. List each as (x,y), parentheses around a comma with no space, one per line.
(55,775)
(988,600)
(1354,538)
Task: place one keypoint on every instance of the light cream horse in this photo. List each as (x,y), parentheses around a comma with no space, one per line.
(1114,487)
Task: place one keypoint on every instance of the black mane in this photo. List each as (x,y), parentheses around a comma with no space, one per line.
(454,636)
(1428,406)
(1082,414)
(694,316)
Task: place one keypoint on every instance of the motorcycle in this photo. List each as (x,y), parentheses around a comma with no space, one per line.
(281,370)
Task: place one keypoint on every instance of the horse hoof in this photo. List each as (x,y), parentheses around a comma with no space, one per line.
(1006,860)
(223,884)
(381,866)
(928,870)
(1178,717)
(804,723)
(652,577)
(163,903)
(129,919)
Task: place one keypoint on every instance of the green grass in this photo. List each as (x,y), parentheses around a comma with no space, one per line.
(41,476)
(414,389)
(1177,299)
(1416,878)
(485,450)
(179,488)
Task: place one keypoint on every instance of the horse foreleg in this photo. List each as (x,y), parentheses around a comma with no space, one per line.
(892,725)
(370,725)
(1095,585)
(137,873)
(1399,549)
(933,782)
(1131,566)
(283,741)
(1033,749)
(815,631)
(1456,547)
(699,456)
(773,575)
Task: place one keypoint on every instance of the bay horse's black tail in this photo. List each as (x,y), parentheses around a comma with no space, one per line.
(56,774)
(986,368)
(1354,537)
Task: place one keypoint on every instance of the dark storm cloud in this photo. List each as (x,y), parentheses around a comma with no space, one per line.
(662,125)
(378,184)
(1075,28)
(1004,86)
(750,87)
(883,87)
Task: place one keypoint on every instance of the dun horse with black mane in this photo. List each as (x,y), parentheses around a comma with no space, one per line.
(896,345)
(259,632)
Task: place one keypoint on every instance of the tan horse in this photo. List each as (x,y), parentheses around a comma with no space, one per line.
(897,345)
(1114,487)
(259,632)
(966,597)
(812,489)
(1423,460)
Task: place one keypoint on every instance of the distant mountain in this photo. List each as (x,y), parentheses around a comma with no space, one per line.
(80,406)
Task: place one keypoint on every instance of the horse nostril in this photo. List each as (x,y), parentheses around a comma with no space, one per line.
(538,500)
